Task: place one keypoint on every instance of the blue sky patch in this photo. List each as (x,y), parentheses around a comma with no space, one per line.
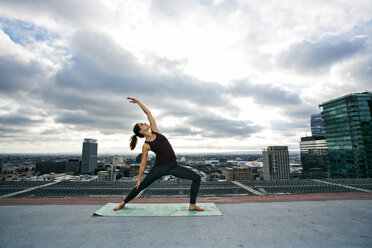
(23,32)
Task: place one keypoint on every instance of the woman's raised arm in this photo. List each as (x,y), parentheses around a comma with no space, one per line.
(147,112)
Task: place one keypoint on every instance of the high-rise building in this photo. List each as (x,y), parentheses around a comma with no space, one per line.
(314,157)
(317,125)
(348,125)
(276,163)
(89,156)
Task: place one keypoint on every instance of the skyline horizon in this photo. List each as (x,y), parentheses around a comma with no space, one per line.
(152,154)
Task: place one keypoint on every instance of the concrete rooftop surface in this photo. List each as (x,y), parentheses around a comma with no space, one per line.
(327,220)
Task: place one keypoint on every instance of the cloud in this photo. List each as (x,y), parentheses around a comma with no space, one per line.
(317,56)
(265,94)
(215,126)
(56,15)
(194,64)
(17,124)
(89,91)
(16,75)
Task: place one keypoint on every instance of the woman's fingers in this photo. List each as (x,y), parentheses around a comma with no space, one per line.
(133,100)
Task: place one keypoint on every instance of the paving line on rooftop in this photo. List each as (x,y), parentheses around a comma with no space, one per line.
(27,190)
(247,188)
(345,186)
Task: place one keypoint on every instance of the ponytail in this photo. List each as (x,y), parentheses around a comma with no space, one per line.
(133,139)
(133,142)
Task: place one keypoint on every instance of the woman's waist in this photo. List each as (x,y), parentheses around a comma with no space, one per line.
(165,162)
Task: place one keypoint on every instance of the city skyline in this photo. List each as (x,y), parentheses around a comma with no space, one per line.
(218,76)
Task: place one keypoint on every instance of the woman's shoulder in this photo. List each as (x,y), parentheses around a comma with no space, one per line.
(156,132)
(146,146)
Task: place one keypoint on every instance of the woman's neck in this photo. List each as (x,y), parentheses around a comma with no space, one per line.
(149,135)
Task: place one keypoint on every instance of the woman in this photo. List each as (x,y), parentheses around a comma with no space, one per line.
(165,163)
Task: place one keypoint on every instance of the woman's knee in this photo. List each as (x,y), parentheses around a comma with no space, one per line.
(197,178)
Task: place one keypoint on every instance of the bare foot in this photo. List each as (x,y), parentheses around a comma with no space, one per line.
(194,207)
(120,206)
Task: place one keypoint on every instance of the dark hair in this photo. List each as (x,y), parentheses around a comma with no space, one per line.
(133,139)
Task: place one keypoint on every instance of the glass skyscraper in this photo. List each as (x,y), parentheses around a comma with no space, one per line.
(314,157)
(89,156)
(348,125)
(317,125)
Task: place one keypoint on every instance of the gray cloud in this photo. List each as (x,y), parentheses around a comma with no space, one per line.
(360,70)
(68,12)
(89,92)
(99,64)
(9,131)
(17,120)
(288,126)
(312,56)
(214,126)
(18,75)
(264,94)
(16,125)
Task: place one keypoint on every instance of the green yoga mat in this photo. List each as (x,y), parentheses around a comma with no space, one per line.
(158,209)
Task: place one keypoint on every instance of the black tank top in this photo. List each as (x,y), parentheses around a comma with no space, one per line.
(163,150)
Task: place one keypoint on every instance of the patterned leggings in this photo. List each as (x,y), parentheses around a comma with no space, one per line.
(174,169)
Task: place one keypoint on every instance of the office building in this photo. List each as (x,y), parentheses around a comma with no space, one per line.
(73,166)
(117,159)
(348,128)
(46,167)
(317,125)
(276,163)
(314,157)
(89,156)
(237,174)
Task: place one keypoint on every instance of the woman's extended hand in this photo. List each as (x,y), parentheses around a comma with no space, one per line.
(133,100)
(138,183)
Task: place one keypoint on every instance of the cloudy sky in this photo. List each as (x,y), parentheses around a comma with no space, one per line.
(217,75)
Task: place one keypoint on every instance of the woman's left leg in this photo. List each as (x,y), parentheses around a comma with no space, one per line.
(185,173)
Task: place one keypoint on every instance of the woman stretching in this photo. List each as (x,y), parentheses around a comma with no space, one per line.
(165,163)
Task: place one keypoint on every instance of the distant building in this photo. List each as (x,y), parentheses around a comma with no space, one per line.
(109,175)
(117,159)
(134,170)
(348,125)
(46,167)
(89,156)
(276,163)
(73,166)
(314,157)
(317,126)
(236,174)
(139,158)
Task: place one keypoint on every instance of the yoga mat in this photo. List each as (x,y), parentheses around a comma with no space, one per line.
(158,209)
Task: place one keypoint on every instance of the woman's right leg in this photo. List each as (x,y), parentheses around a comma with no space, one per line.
(154,174)
(185,173)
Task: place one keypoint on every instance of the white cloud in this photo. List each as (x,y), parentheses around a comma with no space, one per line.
(219,75)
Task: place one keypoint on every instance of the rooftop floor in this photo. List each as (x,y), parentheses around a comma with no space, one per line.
(285,213)
(313,223)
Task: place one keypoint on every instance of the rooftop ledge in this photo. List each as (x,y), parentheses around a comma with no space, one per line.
(98,193)
(217,200)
